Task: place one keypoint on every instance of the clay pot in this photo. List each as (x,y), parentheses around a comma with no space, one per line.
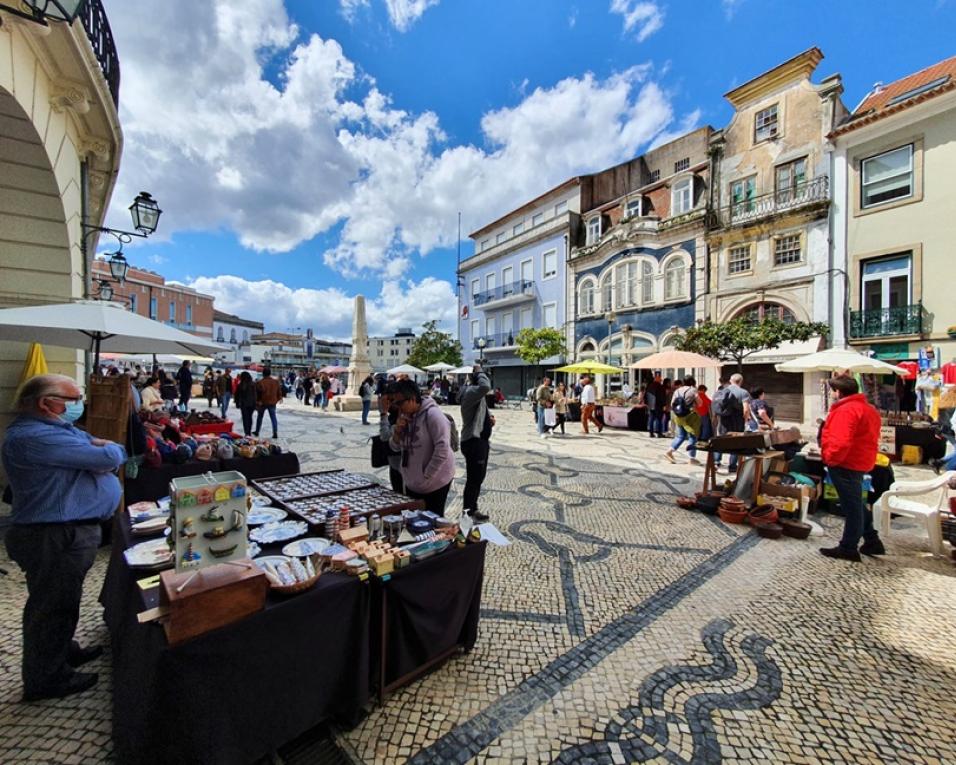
(730,515)
(688,503)
(795,529)
(770,530)
(763,514)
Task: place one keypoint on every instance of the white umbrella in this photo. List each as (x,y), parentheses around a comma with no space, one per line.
(99,325)
(674,359)
(838,359)
(405,369)
(439,366)
(461,371)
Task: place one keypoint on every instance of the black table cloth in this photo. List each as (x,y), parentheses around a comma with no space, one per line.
(237,693)
(153,483)
(933,446)
(429,609)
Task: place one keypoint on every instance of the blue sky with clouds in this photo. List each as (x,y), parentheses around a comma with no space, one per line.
(304,151)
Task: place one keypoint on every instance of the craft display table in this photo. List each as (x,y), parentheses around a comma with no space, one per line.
(629,417)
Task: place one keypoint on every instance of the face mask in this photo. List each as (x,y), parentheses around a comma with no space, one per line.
(73,411)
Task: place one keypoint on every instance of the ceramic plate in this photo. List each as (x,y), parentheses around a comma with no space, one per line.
(259,501)
(278,532)
(252,550)
(260,515)
(275,560)
(150,526)
(152,554)
(304,547)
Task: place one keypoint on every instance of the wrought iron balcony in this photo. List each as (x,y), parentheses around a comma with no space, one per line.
(98,31)
(515,292)
(887,322)
(810,193)
(496,342)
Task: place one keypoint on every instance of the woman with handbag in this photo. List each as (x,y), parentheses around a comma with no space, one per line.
(560,400)
(686,420)
(246,401)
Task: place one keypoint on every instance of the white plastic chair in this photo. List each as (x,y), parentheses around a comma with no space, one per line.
(895,501)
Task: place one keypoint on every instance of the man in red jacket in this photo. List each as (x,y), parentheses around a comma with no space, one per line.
(851,436)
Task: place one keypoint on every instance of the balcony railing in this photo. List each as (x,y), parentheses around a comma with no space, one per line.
(100,35)
(495,341)
(519,289)
(887,322)
(785,200)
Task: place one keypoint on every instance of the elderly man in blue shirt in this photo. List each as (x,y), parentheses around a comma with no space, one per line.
(64,485)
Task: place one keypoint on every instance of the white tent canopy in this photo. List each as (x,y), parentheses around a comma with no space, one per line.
(440,366)
(406,369)
(838,359)
(461,371)
(98,325)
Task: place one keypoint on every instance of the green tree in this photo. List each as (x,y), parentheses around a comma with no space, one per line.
(536,345)
(433,346)
(735,340)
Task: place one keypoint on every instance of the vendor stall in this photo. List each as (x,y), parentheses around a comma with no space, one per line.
(623,415)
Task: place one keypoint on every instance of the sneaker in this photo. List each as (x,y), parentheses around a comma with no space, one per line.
(694,461)
(873,547)
(669,456)
(79,682)
(478,517)
(840,554)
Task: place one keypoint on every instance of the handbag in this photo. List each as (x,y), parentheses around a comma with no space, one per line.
(550,418)
(381,451)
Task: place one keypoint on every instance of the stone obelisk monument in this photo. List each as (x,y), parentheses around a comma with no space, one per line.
(359,367)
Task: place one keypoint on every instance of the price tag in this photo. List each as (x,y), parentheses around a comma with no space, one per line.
(363,577)
(385,577)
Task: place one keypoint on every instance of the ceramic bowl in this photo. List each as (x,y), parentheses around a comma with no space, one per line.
(763,514)
(731,515)
(770,530)
(795,529)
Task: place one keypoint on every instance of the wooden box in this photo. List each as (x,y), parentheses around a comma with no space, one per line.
(216,596)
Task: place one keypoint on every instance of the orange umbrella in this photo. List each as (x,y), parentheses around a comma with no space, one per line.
(677,360)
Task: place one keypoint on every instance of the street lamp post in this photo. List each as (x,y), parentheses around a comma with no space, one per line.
(482,342)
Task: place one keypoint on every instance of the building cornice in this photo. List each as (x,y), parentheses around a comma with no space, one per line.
(800,67)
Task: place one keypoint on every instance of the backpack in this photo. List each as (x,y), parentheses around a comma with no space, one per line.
(680,406)
(725,404)
(453,434)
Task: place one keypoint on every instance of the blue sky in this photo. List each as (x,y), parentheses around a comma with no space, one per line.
(305,151)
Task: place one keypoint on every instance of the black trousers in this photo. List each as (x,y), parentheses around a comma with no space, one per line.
(247,412)
(55,558)
(475,452)
(395,477)
(435,500)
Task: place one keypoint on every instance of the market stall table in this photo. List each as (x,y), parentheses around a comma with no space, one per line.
(629,417)
(237,693)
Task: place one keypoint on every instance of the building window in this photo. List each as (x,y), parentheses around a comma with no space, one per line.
(633,208)
(517,228)
(475,329)
(739,260)
(765,124)
(484,244)
(760,311)
(586,298)
(491,281)
(607,292)
(153,307)
(647,283)
(887,176)
(886,282)
(674,274)
(189,315)
(475,289)
(561,208)
(594,230)
(507,278)
(490,326)
(537,219)
(655,176)
(682,196)
(507,328)
(219,336)
(790,180)
(132,302)
(527,271)
(245,335)
(549,315)
(787,250)
(549,264)
(681,164)
(526,318)
(232,335)
(625,279)
(742,195)
(172,310)
(499,238)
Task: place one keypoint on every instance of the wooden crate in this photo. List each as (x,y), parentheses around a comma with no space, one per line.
(108,407)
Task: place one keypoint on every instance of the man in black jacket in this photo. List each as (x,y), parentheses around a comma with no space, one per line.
(476,424)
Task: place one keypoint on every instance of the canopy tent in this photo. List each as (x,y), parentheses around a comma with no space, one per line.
(405,369)
(333,370)
(460,371)
(440,366)
(676,360)
(162,359)
(839,359)
(589,367)
(98,325)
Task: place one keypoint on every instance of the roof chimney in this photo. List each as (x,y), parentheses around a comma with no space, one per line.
(877,87)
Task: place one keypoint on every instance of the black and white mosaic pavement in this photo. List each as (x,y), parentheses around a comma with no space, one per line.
(617,628)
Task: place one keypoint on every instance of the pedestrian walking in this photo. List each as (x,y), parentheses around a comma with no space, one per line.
(560,398)
(703,409)
(588,398)
(731,405)
(208,387)
(325,385)
(224,391)
(654,396)
(269,392)
(543,400)
(476,425)
(759,416)
(366,391)
(184,378)
(245,398)
(308,386)
(686,420)
(849,443)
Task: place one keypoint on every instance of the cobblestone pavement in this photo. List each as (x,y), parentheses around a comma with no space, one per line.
(616,628)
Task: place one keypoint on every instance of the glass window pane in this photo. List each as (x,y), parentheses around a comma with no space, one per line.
(887,165)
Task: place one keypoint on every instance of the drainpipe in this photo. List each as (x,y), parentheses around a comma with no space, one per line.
(572,299)
(831,255)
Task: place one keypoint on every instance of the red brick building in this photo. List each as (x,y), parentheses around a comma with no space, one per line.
(148,294)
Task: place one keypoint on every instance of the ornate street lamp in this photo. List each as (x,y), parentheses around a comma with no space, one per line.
(106,290)
(41,10)
(145,213)
(482,342)
(118,266)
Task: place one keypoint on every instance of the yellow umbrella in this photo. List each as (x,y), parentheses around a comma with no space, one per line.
(592,367)
(34,365)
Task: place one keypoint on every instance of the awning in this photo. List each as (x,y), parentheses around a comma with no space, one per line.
(792,349)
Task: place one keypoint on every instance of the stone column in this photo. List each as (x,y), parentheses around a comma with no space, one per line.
(359,366)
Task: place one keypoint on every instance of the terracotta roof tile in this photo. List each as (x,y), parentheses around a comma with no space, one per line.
(880,100)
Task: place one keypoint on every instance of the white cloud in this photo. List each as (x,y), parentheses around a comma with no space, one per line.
(329,311)
(222,147)
(645,17)
(731,7)
(402,13)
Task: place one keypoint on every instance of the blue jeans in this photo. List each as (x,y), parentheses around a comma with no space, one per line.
(272,416)
(655,422)
(224,400)
(859,517)
(366,406)
(949,463)
(542,428)
(324,402)
(682,435)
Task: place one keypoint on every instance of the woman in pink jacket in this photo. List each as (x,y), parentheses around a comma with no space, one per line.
(423,435)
